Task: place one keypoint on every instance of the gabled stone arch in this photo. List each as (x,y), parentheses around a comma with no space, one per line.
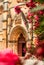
(16,31)
(14,35)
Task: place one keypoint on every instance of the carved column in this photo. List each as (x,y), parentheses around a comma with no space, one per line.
(5,22)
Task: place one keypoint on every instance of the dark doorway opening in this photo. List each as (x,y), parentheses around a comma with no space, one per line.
(21,45)
(23,49)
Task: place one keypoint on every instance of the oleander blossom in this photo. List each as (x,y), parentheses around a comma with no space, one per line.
(41,12)
(36,17)
(17,9)
(7,57)
(30,14)
(39,51)
(30,4)
(37,24)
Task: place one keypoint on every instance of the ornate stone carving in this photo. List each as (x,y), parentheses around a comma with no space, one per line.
(18,19)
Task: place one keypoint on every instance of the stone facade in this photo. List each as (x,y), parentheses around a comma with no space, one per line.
(13,32)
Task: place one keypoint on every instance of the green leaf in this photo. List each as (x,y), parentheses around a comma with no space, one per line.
(41,1)
(39,7)
(42,23)
(39,30)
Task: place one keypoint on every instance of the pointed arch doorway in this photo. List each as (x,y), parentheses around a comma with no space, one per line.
(21,45)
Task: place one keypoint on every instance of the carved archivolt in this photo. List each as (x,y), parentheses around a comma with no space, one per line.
(16,31)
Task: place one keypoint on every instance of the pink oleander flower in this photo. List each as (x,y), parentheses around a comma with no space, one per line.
(36,17)
(17,9)
(39,51)
(30,21)
(41,12)
(30,4)
(7,57)
(30,14)
(37,24)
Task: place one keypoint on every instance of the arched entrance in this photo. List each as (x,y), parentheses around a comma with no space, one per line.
(21,45)
(18,38)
